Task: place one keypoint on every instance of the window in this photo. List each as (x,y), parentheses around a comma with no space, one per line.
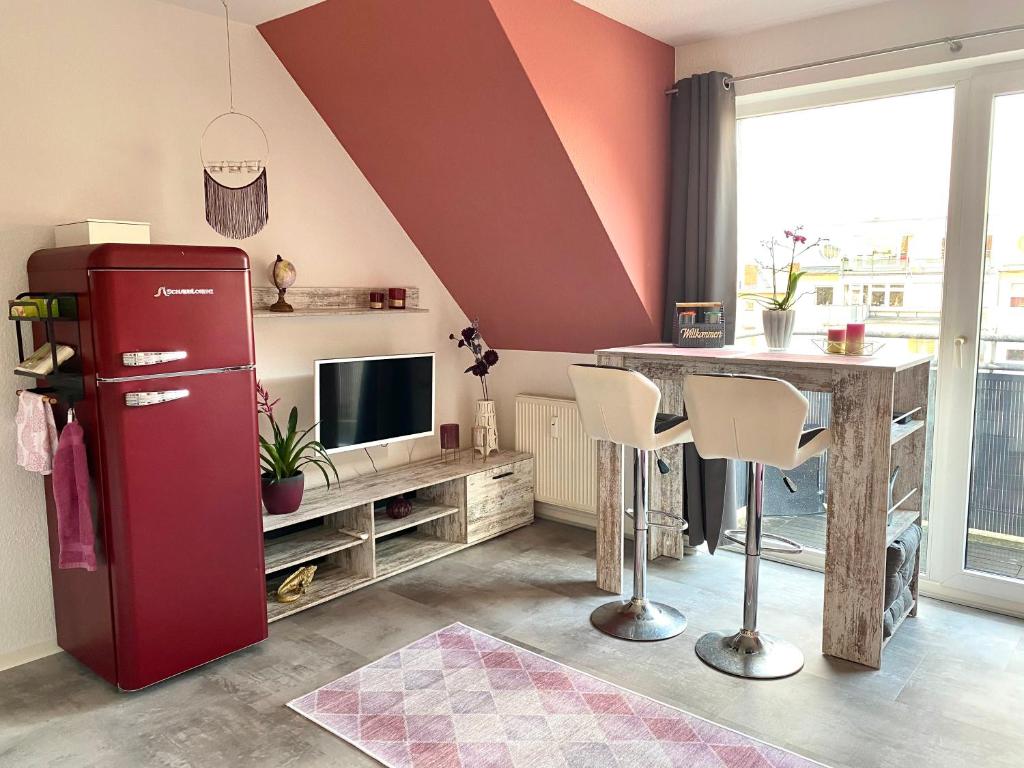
(1017,295)
(1015,355)
(871,176)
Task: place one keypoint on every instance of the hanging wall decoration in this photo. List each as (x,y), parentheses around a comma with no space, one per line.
(236,189)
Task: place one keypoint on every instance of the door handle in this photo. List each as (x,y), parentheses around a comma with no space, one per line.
(135,359)
(958,350)
(139,399)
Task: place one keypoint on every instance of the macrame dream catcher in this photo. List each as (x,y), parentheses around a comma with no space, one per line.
(234,151)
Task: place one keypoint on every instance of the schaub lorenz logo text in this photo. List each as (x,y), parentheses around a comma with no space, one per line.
(164,291)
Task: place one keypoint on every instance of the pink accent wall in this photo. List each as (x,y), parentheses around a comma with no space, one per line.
(444,119)
(602,84)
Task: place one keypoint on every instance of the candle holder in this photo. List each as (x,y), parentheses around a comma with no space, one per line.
(836,341)
(450,442)
(867,349)
(377,299)
(396,298)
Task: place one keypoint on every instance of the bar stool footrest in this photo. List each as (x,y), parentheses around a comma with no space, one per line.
(783,546)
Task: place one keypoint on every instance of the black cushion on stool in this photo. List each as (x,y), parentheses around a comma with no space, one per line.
(665,421)
(810,434)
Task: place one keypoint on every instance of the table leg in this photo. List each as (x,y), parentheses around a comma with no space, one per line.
(855,547)
(667,490)
(609,517)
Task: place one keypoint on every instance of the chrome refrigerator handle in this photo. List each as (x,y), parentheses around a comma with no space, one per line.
(138,399)
(135,359)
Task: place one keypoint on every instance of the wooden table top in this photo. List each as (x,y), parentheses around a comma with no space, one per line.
(892,361)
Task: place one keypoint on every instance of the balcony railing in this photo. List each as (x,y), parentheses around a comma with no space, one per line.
(996,501)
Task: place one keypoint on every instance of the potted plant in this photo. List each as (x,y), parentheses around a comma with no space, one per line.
(778,315)
(485,429)
(283,457)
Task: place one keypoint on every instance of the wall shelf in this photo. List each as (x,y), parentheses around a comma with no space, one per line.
(340,312)
(900,431)
(327,302)
(899,622)
(902,519)
(331,581)
(405,552)
(421,513)
(295,548)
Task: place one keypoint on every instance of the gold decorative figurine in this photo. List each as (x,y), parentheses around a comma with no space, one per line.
(295,586)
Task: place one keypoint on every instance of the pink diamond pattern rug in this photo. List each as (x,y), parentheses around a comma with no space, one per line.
(461,699)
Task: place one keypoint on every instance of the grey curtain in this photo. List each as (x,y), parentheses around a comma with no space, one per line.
(701,263)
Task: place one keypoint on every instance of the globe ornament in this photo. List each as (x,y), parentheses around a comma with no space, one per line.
(282,274)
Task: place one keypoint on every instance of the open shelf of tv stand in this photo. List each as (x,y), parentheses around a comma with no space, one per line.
(346,533)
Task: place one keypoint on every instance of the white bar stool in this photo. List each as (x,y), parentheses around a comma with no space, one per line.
(621,406)
(758,420)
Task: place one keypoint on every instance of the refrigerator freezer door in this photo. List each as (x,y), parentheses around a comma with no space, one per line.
(182,484)
(151,321)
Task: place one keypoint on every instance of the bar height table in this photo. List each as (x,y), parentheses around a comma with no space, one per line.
(866,443)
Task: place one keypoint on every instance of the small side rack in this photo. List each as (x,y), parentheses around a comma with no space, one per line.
(48,309)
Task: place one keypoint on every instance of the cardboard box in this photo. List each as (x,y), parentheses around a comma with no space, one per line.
(94,231)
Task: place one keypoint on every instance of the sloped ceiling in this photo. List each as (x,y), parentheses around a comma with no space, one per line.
(521,144)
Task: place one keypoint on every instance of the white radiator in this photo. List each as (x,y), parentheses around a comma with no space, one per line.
(565,459)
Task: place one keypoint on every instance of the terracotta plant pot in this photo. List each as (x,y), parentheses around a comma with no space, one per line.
(282,497)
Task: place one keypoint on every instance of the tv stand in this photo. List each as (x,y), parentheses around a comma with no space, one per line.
(346,533)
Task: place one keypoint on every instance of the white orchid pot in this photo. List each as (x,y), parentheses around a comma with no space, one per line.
(778,327)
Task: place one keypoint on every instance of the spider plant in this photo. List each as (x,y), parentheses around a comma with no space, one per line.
(289,451)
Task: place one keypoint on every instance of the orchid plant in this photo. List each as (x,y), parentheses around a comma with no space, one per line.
(797,243)
(288,452)
(483,359)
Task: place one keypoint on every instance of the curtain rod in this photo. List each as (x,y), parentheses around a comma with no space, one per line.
(954,42)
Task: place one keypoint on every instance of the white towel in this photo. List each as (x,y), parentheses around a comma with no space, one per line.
(37,433)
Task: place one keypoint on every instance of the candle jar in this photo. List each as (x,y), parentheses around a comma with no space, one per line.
(855,338)
(836,341)
(396,298)
(376,299)
(449,442)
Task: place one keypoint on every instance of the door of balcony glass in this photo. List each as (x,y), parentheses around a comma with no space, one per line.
(979,530)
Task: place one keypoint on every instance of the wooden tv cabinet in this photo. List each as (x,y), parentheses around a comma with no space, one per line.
(346,533)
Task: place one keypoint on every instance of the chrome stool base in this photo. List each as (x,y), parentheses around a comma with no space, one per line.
(638,619)
(750,654)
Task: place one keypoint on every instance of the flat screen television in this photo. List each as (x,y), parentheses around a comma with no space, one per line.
(366,401)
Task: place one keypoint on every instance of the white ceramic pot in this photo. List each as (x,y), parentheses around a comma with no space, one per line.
(778,327)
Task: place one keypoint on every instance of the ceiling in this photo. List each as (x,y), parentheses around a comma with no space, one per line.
(676,22)
(248,11)
(679,22)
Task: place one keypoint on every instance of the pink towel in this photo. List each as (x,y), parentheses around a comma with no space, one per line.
(71,496)
(37,434)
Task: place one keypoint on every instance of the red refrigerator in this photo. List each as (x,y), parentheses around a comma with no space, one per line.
(164,346)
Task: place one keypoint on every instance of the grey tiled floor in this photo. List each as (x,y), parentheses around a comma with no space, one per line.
(948,695)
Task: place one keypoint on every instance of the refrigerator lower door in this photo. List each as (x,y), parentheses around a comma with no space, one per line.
(186,555)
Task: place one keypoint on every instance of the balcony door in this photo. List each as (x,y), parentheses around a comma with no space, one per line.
(978,550)
(919,186)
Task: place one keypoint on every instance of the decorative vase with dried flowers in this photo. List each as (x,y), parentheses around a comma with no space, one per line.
(778,315)
(485,429)
(283,457)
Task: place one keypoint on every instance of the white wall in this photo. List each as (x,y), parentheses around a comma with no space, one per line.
(856,31)
(101,108)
